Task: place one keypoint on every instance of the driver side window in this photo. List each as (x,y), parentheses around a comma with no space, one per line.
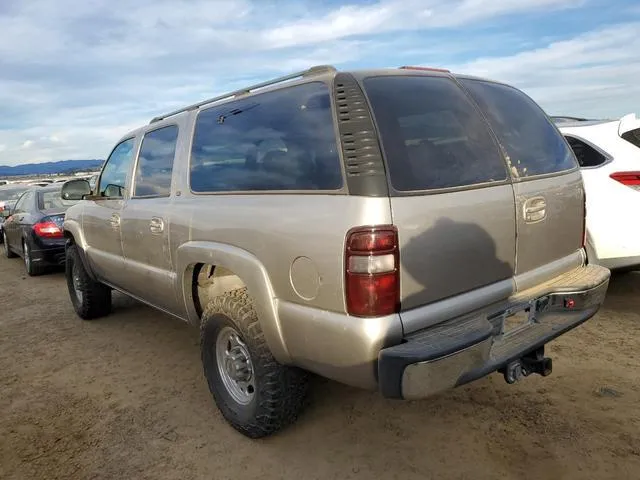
(114,174)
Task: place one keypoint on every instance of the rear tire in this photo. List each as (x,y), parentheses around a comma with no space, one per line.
(32,269)
(7,250)
(255,394)
(90,299)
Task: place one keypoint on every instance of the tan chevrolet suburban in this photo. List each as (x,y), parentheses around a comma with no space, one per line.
(407,230)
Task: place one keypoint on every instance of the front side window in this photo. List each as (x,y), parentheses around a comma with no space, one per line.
(155,163)
(533,144)
(433,136)
(281,140)
(114,174)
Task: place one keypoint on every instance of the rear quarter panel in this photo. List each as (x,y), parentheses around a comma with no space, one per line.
(299,238)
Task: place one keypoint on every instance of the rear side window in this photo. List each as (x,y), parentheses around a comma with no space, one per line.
(533,144)
(586,155)
(155,163)
(633,137)
(432,134)
(281,140)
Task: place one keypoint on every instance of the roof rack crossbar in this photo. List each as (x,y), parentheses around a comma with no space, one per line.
(304,73)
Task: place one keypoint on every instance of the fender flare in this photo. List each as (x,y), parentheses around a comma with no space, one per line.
(250,270)
(72,229)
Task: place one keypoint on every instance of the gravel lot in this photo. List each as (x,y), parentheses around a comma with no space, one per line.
(124,398)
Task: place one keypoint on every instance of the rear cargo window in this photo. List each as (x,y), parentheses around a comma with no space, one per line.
(533,144)
(432,135)
(281,140)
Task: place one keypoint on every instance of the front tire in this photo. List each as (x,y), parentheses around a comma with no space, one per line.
(90,299)
(255,394)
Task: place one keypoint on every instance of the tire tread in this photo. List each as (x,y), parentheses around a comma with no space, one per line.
(282,389)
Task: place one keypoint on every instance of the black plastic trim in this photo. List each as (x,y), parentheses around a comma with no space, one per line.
(361,152)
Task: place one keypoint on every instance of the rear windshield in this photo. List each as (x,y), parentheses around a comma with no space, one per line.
(432,134)
(633,137)
(52,199)
(533,144)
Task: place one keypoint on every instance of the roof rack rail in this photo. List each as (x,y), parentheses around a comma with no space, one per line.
(428,69)
(315,70)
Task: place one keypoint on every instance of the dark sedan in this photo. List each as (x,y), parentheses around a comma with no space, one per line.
(34,228)
(9,194)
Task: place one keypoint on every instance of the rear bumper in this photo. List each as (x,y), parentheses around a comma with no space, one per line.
(49,256)
(464,349)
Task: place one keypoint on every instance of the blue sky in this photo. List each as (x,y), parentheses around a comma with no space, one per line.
(77,74)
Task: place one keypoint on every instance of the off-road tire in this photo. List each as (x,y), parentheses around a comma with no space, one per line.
(33,269)
(280,390)
(7,250)
(96,297)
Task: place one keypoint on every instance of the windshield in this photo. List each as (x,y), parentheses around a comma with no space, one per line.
(50,200)
(11,194)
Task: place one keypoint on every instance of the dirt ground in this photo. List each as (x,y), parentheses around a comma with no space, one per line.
(124,398)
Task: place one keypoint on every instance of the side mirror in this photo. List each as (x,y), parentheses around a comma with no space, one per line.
(75,189)
(6,212)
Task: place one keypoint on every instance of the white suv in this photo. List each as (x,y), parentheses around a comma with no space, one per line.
(608,152)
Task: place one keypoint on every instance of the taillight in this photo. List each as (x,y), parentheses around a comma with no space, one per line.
(372,271)
(48,229)
(630,179)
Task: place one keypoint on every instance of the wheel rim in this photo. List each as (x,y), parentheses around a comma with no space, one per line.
(76,282)
(27,256)
(234,366)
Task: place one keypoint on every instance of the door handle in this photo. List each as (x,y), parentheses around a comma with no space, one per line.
(156,225)
(115,221)
(534,209)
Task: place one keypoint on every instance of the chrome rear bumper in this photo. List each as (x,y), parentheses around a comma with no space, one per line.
(464,349)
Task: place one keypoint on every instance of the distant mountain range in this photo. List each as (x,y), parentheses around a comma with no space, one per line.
(49,168)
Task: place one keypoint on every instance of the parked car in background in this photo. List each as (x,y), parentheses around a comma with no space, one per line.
(9,194)
(407,230)
(34,229)
(608,152)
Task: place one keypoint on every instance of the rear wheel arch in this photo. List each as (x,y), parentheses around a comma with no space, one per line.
(211,270)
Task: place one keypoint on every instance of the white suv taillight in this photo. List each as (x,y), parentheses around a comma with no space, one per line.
(372,271)
(630,179)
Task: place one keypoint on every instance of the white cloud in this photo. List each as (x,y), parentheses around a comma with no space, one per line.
(76,75)
(593,74)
